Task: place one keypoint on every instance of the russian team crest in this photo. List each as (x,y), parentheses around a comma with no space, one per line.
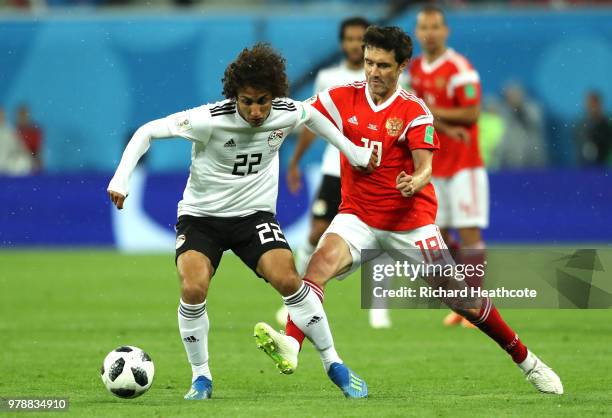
(275,138)
(394,126)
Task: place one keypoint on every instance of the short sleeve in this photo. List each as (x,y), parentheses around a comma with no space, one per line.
(465,87)
(193,124)
(419,132)
(303,112)
(422,137)
(325,103)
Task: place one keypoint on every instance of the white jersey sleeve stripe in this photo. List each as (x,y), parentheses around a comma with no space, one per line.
(419,120)
(461,79)
(331,108)
(409,96)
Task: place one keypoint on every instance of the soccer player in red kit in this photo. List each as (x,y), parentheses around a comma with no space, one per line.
(394,207)
(450,86)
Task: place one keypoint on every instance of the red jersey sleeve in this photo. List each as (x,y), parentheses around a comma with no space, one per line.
(465,86)
(315,102)
(423,137)
(420,133)
(327,102)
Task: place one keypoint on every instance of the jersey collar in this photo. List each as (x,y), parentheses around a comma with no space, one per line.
(386,103)
(429,67)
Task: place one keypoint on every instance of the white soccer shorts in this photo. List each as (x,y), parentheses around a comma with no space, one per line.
(360,236)
(463,199)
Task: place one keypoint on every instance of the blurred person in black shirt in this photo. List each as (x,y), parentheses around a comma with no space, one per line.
(594,133)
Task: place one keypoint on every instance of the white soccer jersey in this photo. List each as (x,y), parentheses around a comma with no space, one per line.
(328,77)
(234,167)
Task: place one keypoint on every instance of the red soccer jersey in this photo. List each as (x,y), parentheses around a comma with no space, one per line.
(395,128)
(449,81)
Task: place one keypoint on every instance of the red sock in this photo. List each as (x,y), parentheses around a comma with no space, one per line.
(491,323)
(291,329)
(473,256)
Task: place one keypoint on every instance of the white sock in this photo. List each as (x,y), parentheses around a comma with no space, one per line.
(329,356)
(308,315)
(303,257)
(193,326)
(529,363)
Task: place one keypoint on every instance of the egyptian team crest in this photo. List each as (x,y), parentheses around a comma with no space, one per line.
(394,126)
(182,122)
(275,138)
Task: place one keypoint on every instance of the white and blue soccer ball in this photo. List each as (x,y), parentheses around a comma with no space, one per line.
(127,372)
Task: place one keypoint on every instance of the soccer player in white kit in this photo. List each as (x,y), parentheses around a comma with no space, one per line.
(230,201)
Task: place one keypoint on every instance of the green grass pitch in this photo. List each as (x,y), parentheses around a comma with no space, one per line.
(61,312)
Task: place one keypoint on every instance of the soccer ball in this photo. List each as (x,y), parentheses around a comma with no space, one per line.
(127,372)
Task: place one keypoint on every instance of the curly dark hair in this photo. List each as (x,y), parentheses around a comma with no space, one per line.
(389,38)
(261,68)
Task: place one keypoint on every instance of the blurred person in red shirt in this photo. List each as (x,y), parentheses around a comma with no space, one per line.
(450,86)
(31,135)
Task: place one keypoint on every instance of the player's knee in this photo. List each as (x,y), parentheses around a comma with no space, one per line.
(193,292)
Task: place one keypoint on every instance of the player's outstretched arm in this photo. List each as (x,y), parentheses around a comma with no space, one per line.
(407,184)
(320,125)
(138,145)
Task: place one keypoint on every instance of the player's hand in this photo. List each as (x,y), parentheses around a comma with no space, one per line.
(405,184)
(294,178)
(459,133)
(116,198)
(372,164)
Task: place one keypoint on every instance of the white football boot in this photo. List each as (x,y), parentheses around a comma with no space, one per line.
(540,375)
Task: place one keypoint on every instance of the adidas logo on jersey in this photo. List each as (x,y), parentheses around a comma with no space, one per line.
(230,143)
(191,339)
(353,120)
(313,320)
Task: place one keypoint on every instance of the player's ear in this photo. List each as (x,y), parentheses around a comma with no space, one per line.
(403,65)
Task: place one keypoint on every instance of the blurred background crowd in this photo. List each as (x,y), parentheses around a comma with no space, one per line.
(547,97)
